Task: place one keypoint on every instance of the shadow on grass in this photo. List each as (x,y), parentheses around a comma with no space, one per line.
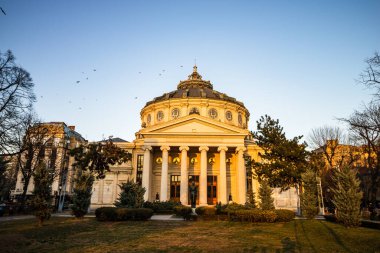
(335,236)
(298,243)
(307,237)
(288,245)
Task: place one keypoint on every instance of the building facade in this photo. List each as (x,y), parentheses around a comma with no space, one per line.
(55,141)
(193,133)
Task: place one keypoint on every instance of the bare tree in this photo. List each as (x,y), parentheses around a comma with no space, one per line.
(35,139)
(337,149)
(327,140)
(370,77)
(16,99)
(365,125)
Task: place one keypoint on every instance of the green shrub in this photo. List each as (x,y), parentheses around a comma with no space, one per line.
(106,214)
(253,215)
(161,206)
(122,214)
(233,207)
(183,211)
(218,208)
(41,200)
(205,210)
(284,215)
(200,210)
(131,195)
(330,217)
(82,193)
(142,213)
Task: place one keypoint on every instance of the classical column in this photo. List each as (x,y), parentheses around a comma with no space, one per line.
(242,188)
(147,170)
(203,176)
(164,173)
(101,190)
(184,175)
(223,175)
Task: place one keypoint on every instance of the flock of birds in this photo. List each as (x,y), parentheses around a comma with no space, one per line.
(87,77)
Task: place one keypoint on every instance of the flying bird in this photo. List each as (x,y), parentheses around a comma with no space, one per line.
(94,69)
(159,74)
(78,81)
(86,78)
(2,10)
(181,66)
(135,97)
(80,108)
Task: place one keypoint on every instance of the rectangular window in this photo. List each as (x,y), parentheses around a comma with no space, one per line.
(140,165)
(53,157)
(175,187)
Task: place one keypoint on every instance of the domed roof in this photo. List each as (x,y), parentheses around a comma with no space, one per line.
(194,87)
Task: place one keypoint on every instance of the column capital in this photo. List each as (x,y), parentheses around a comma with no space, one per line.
(222,148)
(240,149)
(201,148)
(167,148)
(145,148)
(184,148)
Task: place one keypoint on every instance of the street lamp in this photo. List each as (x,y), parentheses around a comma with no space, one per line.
(63,176)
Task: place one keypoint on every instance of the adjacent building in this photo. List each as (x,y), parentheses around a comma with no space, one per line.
(55,141)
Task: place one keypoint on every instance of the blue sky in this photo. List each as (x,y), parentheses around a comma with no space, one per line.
(294,60)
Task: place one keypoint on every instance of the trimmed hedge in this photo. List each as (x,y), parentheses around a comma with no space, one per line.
(122,214)
(257,215)
(162,206)
(284,215)
(253,215)
(205,210)
(183,211)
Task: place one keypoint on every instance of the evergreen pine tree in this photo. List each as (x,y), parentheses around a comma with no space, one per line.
(82,193)
(309,196)
(251,203)
(265,195)
(347,196)
(131,195)
(42,197)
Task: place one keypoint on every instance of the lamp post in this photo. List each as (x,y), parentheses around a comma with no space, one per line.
(320,197)
(63,177)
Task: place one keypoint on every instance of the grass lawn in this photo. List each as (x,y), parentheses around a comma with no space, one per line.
(88,235)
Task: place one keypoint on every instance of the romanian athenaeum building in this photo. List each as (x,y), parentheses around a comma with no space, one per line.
(193,133)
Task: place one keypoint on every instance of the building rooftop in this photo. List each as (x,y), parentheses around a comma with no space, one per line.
(195,87)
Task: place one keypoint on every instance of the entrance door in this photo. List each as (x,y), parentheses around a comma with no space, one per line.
(196,180)
(211,190)
(175,187)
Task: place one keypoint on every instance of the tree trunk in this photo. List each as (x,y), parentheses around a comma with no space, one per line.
(24,192)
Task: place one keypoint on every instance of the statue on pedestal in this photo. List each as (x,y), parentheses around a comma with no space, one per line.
(193,194)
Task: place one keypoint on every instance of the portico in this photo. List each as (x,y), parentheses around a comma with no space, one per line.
(189,161)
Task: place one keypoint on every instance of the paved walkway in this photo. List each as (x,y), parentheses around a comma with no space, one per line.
(168,217)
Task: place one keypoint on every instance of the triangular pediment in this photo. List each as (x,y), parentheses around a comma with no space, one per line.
(194,124)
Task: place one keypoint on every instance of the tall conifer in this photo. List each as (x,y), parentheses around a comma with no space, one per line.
(265,195)
(309,196)
(347,196)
